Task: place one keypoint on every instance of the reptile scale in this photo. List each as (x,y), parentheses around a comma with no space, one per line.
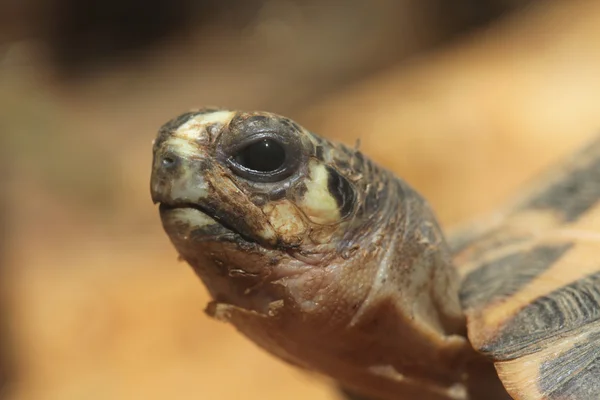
(337,266)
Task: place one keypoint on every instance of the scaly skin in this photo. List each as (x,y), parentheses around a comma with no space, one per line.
(337,267)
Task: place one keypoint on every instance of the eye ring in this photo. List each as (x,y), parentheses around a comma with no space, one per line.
(264,158)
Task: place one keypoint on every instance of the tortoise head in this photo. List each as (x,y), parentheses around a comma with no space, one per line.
(255,174)
(306,246)
(250,199)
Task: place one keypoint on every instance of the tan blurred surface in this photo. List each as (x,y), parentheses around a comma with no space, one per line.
(470,124)
(100,307)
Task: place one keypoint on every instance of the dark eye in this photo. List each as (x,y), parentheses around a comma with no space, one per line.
(265,155)
(265,159)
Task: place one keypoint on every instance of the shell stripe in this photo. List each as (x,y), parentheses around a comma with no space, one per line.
(533,303)
(562,311)
(505,276)
(576,190)
(575,373)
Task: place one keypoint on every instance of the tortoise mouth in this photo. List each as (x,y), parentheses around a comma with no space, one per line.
(165,208)
(202,221)
(209,212)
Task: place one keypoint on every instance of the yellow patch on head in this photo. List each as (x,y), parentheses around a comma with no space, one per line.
(223,116)
(195,128)
(182,146)
(318,203)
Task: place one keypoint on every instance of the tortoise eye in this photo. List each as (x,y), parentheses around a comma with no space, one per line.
(263,156)
(267,158)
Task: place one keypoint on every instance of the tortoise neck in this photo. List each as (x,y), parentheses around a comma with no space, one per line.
(421,260)
(411,321)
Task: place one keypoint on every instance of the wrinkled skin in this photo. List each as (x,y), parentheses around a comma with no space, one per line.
(330,263)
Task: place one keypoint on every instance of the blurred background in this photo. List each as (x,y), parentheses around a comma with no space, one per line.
(466,99)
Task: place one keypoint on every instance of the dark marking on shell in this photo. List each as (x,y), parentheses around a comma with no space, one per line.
(341,190)
(505,276)
(574,375)
(566,309)
(488,241)
(574,195)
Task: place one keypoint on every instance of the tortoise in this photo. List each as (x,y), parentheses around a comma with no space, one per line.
(332,263)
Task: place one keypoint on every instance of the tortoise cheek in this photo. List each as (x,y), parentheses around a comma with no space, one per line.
(317,201)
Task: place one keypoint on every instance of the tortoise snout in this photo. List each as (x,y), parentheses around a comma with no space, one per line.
(178,177)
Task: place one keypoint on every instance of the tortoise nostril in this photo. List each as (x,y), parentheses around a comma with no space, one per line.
(170,161)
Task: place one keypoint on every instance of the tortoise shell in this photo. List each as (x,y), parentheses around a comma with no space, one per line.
(531,286)
(335,265)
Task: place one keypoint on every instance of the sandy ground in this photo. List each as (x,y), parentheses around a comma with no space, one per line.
(100,308)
